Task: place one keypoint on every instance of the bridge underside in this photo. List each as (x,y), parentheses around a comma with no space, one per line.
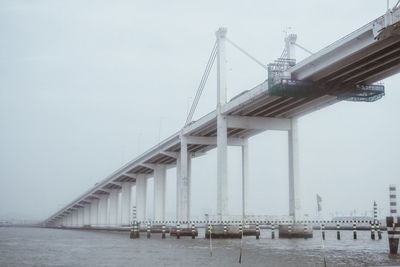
(345,70)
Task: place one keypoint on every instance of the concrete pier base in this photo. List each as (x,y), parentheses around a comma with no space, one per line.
(183,231)
(295,230)
(224,231)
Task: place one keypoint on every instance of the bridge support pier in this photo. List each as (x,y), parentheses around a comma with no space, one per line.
(222,129)
(80,216)
(113,212)
(183,181)
(141,192)
(293,146)
(103,210)
(160,173)
(245,174)
(86,214)
(75,218)
(94,208)
(126,203)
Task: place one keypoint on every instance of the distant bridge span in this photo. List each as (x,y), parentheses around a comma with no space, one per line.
(345,70)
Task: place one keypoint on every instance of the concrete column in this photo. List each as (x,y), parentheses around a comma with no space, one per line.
(294,194)
(80,217)
(86,214)
(75,218)
(160,173)
(141,192)
(71,218)
(94,207)
(178,186)
(245,175)
(222,136)
(113,212)
(183,183)
(103,210)
(126,203)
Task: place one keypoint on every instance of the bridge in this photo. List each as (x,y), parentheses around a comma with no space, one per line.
(346,70)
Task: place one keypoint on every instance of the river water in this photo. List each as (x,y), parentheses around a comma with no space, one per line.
(56,247)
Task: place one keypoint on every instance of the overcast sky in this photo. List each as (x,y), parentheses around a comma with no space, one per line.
(86,86)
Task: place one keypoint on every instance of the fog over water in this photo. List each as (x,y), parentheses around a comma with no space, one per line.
(87,86)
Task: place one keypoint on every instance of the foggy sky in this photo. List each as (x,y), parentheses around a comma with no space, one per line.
(86,86)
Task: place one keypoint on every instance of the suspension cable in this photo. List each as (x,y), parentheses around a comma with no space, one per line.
(202,84)
(247,54)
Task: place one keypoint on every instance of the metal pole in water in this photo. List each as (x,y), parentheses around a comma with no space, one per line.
(338,231)
(323,231)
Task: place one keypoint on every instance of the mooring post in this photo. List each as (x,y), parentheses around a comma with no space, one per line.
(193,231)
(338,231)
(305,230)
(354,230)
(273,231)
(178,231)
(225,229)
(379,230)
(257,231)
(372,231)
(393,222)
(135,230)
(323,231)
(148,230)
(163,231)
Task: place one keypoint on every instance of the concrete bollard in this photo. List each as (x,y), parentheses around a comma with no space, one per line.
(323,231)
(257,231)
(148,230)
(273,231)
(178,231)
(193,231)
(338,231)
(163,231)
(354,231)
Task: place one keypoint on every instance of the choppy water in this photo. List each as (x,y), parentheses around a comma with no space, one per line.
(53,247)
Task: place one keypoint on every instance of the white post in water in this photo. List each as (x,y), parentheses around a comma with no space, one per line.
(294,194)
(126,202)
(141,192)
(160,173)
(113,205)
(183,190)
(94,209)
(245,174)
(103,209)
(222,136)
